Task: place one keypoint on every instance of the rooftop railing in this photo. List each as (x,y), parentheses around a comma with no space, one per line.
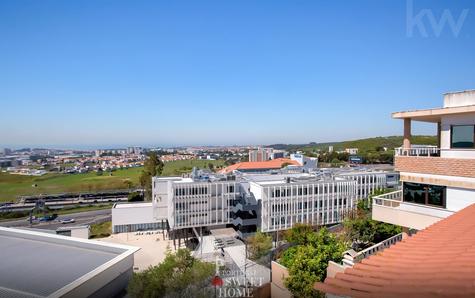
(418,150)
(392,199)
(350,260)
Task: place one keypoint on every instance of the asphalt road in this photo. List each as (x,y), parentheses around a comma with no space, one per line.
(81,218)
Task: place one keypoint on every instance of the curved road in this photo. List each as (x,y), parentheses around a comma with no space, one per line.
(81,218)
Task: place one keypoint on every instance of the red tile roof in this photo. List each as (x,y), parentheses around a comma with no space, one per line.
(438,261)
(268,164)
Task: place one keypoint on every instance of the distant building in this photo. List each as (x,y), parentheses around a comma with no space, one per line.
(330,149)
(306,162)
(7,151)
(278,154)
(351,151)
(261,166)
(134,150)
(260,154)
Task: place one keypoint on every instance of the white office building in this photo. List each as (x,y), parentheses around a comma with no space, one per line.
(251,202)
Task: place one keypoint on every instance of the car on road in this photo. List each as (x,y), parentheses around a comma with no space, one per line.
(67,220)
(48,217)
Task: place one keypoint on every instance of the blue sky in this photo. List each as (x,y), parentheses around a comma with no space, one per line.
(106,73)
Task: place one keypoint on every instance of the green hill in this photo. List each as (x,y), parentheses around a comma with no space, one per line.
(363,145)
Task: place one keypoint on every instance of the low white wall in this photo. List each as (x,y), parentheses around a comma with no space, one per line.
(129,214)
(459,198)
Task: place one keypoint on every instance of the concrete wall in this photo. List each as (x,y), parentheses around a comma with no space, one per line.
(80,232)
(418,218)
(457,99)
(278,289)
(446,123)
(134,213)
(103,283)
(459,198)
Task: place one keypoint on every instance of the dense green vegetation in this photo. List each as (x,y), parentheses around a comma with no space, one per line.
(373,150)
(12,186)
(179,275)
(100,230)
(311,249)
(259,245)
(364,145)
(362,231)
(308,259)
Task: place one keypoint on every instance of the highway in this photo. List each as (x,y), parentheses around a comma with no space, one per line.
(81,218)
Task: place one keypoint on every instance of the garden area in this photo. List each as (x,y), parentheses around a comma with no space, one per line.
(311,248)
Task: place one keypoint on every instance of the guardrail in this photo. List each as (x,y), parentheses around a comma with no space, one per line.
(392,199)
(351,260)
(418,151)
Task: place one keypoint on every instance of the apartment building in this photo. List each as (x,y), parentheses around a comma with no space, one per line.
(436,180)
(260,154)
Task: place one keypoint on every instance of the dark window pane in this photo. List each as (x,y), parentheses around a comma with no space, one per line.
(414,192)
(436,195)
(462,136)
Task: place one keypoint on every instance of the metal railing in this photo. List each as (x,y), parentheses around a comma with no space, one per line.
(418,150)
(351,260)
(392,199)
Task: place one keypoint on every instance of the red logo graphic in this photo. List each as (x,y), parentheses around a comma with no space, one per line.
(217,281)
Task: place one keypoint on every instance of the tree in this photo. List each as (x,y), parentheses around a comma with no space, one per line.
(299,234)
(307,262)
(362,230)
(259,245)
(135,197)
(210,166)
(153,166)
(179,275)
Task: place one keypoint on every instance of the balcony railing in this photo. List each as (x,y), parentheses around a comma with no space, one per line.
(358,257)
(392,199)
(418,150)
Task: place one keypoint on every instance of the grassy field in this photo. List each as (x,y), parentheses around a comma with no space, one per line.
(101,230)
(12,186)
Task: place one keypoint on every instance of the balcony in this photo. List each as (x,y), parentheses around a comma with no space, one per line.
(418,150)
(430,160)
(390,208)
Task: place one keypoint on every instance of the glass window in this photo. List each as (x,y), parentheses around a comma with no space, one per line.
(463,136)
(424,194)
(435,195)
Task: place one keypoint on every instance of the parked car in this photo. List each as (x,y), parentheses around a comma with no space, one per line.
(67,220)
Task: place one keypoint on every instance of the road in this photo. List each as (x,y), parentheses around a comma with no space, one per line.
(81,218)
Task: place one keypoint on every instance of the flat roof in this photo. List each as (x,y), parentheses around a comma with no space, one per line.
(436,262)
(133,205)
(35,264)
(433,115)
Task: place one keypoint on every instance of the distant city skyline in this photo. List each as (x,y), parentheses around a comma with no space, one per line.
(112,74)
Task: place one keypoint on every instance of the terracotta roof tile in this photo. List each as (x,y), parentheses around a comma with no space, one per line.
(268,164)
(436,262)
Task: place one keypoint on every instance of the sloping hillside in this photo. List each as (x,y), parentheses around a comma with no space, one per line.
(364,145)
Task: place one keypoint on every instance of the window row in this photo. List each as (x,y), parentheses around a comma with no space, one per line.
(306,205)
(287,192)
(191,191)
